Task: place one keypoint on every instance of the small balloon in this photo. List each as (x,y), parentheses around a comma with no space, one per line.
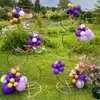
(56,71)
(83,38)
(61,69)
(78,33)
(31,36)
(79,84)
(21,86)
(30,42)
(78,8)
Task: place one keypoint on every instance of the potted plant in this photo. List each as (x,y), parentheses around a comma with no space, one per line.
(92,70)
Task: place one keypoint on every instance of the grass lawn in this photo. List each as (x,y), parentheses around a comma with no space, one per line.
(46,79)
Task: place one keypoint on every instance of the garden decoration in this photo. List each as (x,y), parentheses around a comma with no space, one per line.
(16,15)
(13,81)
(58,68)
(91,66)
(35,41)
(78,76)
(84,33)
(73,9)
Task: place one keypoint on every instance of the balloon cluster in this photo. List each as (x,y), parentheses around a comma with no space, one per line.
(35,39)
(58,66)
(73,9)
(16,15)
(13,81)
(84,33)
(78,76)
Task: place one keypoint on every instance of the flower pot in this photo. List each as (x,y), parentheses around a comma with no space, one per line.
(27,47)
(96,93)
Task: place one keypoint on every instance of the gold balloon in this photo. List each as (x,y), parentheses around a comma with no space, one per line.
(20,18)
(17,69)
(10,15)
(12,80)
(71,75)
(76,76)
(74,81)
(76,68)
(11,21)
(10,85)
(69,5)
(17,74)
(13,71)
(15,84)
(15,20)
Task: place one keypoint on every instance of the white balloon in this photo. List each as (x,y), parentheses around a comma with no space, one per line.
(80,84)
(83,33)
(21,79)
(34,40)
(3,79)
(14,10)
(82,26)
(73,72)
(83,38)
(21,13)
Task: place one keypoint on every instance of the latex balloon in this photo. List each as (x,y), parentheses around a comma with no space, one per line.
(16,14)
(76,12)
(24,79)
(56,71)
(58,65)
(21,86)
(82,77)
(30,42)
(83,33)
(82,26)
(7,90)
(31,36)
(78,8)
(78,33)
(21,13)
(61,69)
(62,64)
(3,79)
(83,38)
(69,5)
(34,40)
(38,42)
(79,84)
(53,65)
(17,79)
(18,9)
(39,38)
(90,37)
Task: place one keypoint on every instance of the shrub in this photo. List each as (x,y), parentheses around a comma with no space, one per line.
(4,24)
(16,38)
(4,13)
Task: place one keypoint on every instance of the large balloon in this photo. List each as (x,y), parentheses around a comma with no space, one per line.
(7,90)
(80,84)
(21,86)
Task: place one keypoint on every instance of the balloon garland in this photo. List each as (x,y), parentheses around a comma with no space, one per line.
(13,81)
(73,9)
(16,15)
(78,76)
(84,33)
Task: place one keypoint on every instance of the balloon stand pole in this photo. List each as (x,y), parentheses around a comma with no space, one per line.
(64,84)
(33,86)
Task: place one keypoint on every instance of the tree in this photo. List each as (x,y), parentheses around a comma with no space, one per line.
(63,3)
(98,5)
(9,3)
(26,3)
(37,5)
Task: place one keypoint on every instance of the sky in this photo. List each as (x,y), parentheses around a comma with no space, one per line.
(85,4)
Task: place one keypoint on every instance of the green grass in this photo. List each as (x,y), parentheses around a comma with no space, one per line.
(46,79)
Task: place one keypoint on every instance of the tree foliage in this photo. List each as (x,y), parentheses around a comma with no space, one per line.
(63,3)
(37,5)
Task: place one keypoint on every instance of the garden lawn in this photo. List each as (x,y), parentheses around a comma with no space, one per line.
(45,77)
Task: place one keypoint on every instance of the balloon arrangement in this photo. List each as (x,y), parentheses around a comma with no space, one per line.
(58,66)
(84,33)
(73,9)
(16,15)
(35,39)
(13,81)
(78,76)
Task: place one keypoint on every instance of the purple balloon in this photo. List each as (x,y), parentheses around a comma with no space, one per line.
(58,65)
(53,65)
(62,64)
(24,79)
(78,72)
(39,38)
(90,37)
(82,77)
(30,42)
(61,69)
(38,43)
(76,12)
(31,36)
(11,75)
(78,33)
(8,72)
(71,10)
(7,90)
(68,12)
(83,38)
(18,9)
(17,79)
(21,86)
(56,71)
(16,14)
(78,8)
(59,61)
(83,29)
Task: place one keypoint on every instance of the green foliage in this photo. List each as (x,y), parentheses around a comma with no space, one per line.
(4,13)
(26,3)
(8,3)
(87,16)
(63,3)
(16,39)
(4,24)
(37,6)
